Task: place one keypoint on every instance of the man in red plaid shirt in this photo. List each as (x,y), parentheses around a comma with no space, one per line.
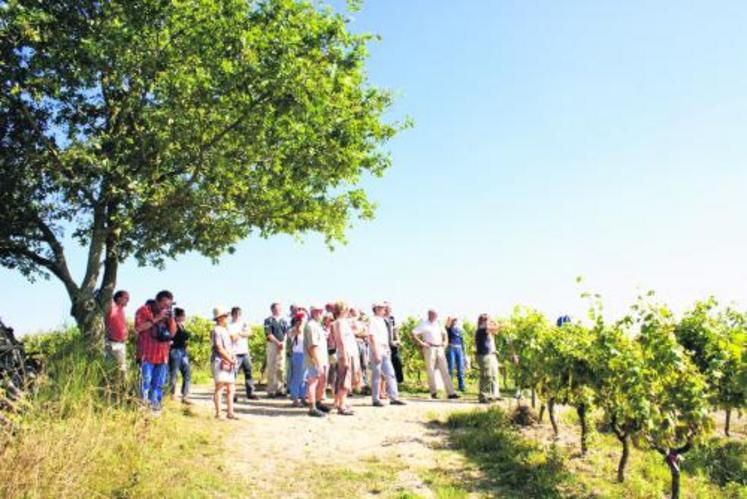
(153,350)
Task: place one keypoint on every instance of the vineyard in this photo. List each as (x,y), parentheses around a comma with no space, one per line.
(653,380)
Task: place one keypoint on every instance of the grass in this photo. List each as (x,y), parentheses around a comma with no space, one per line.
(511,463)
(77,439)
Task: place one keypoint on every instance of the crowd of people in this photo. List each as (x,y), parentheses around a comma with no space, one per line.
(311,354)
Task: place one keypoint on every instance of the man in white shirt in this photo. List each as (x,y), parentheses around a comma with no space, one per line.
(381,359)
(240,332)
(430,334)
(316,362)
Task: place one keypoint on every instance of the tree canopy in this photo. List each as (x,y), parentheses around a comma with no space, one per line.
(149,128)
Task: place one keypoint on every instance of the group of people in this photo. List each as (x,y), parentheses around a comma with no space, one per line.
(308,352)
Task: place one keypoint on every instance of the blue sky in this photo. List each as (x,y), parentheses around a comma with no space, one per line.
(552,139)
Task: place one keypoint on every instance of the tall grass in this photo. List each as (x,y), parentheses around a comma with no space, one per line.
(81,437)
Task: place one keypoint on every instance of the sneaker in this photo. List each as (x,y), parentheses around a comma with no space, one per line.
(434,395)
(236,400)
(455,396)
(297,403)
(186,401)
(252,397)
(378,403)
(323,408)
(397,402)
(316,413)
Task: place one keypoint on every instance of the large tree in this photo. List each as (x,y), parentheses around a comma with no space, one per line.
(148,128)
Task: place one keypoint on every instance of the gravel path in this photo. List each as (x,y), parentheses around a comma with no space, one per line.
(273,442)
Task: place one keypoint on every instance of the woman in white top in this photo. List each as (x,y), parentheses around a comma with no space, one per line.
(223,361)
(347,349)
(297,371)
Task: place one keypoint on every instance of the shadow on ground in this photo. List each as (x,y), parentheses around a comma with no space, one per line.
(506,463)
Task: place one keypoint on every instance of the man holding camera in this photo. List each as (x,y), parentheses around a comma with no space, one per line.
(155,327)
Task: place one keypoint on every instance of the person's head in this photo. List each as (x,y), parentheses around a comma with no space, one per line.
(316,312)
(455,322)
(482,321)
(353,313)
(379,309)
(341,310)
(293,309)
(180,315)
(276,308)
(220,315)
(121,298)
(432,315)
(236,313)
(327,320)
(164,299)
(387,308)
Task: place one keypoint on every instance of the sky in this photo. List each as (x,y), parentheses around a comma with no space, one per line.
(552,140)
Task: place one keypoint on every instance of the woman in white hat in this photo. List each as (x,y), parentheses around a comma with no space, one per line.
(223,361)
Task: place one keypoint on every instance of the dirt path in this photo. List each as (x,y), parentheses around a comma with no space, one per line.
(378,451)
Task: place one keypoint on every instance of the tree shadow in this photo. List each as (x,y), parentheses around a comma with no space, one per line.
(509,464)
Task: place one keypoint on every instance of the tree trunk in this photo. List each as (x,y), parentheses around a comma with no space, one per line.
(534,399)
(542,412)
(551,415)
(89,318)
(581,411)
(672,460)
(727,422)
(625,441)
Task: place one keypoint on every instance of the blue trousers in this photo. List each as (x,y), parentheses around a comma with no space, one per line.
(179,362)
(297,377)
(385,368)
(153,377)
(455,359)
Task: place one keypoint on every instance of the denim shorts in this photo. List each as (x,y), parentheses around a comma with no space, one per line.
(313,372)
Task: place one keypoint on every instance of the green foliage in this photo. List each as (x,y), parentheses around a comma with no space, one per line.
(410,352)
(724,461)
(526,333)
(717,344)
(679,411)
(147,129)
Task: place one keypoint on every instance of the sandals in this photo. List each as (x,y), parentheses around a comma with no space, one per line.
(232,416)
(345,412)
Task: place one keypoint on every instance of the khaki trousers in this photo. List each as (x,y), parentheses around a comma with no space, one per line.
(435,359)
(275,368)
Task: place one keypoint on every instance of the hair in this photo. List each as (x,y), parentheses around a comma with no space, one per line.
(451,321)
(179,312)
(274,305)
(164,295)
(235,310)
(119,294)
(483,319)
(339,307)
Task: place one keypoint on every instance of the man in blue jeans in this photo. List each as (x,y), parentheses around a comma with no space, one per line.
(155,327)
(455,351)
(179,358)
(381,358)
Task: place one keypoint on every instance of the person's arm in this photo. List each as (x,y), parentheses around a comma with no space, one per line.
(341,355)
(417,333)
(374,348)
(271,337)
(148,324)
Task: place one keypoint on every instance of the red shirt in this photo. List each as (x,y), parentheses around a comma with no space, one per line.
(116,323)
(149,349)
